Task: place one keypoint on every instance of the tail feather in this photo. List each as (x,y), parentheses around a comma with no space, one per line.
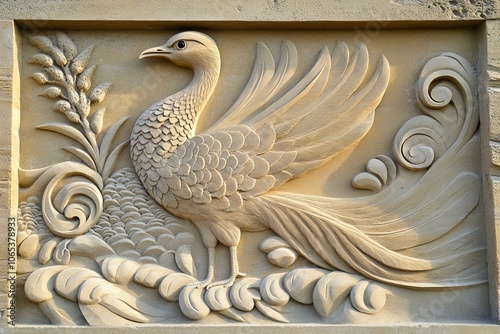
(443,255)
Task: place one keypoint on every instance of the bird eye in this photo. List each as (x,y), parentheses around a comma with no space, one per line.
(180,45)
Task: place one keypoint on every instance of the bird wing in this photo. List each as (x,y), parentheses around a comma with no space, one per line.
(222,168)
(254,148)
(330,109)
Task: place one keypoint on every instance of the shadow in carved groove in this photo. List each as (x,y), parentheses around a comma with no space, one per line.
(417,229)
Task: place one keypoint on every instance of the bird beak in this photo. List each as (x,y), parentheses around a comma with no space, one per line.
(158,51)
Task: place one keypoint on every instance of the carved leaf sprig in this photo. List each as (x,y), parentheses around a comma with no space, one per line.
(70,78)
(70,210)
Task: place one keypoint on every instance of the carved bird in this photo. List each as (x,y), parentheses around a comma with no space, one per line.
(227,178)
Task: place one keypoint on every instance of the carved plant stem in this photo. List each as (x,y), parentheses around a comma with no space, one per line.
(76,207)
(93,142)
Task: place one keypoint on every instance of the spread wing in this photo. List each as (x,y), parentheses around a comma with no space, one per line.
(330,109)
(256,147)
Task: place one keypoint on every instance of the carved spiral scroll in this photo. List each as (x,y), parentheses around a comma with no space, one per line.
(445,94)
(72,201)
(419,142)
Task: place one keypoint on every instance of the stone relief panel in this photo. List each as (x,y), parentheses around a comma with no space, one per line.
(265,193)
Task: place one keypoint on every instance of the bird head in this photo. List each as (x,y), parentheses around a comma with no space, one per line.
(189,49)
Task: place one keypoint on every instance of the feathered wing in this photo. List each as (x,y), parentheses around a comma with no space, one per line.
(335,89)
(222,168)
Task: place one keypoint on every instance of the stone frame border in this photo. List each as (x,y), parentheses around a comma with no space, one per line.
(364,16)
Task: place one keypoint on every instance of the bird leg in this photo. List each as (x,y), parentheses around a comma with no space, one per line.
(210,274)
(234,270)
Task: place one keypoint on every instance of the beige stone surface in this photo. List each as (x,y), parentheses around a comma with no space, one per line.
(252,11)
(9,145)
(490,106)
(150,25)
(321,329)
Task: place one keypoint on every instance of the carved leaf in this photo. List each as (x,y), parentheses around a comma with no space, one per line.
(270,312)
(282,257)
(96,121)
(41,59)
(89,246)
(377,168)
(28,248)
(184,260)
(70,132)
(61,252)
(244,293)
(172,285)
(331,291)
(119,270)
(66,44)
(151,275)
(81,154)
(217,298)
(39,286)
(51,92)
(232,313)
(99,93)
(80,62)
(192,304)
(68,281)
(300,283)
(42,42)
(40,78)
(367,181)
(272,290)
(368,297)
(380,172)
(98,291)
(390,166)
(85,79)
(110,163)
(108,138)
(47,250)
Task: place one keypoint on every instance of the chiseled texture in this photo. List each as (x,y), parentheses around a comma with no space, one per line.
(225,179)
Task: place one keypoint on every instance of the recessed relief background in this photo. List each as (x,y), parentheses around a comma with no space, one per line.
(259,176)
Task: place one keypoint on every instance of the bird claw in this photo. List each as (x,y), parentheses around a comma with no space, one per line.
(200,284)
(226,283)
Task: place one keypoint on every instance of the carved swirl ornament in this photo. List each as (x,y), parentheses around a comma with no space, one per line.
(99,246)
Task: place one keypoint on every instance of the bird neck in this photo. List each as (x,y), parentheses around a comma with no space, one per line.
(199,91)
(170,122)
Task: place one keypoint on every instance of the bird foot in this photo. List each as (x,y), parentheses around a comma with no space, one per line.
(201,284)
(227,282)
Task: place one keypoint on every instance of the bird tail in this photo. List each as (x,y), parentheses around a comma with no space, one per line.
(424,247)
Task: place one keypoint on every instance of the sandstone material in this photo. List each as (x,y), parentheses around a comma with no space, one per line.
(330,166)
(9,145)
